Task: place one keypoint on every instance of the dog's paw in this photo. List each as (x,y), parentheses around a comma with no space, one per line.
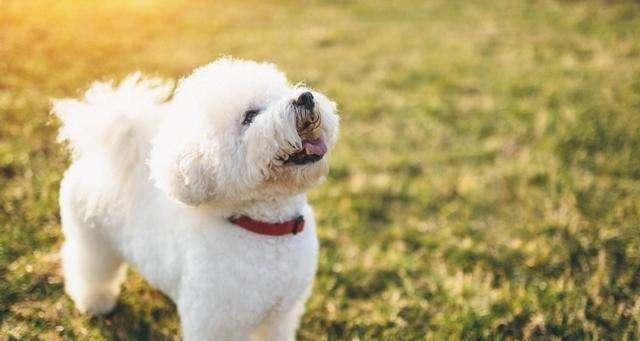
(96,304)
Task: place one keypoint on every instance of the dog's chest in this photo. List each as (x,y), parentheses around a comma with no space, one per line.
(254,276)
(282,273)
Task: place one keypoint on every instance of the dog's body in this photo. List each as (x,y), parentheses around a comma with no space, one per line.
(154,183)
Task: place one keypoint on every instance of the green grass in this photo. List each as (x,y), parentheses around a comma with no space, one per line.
(486,184)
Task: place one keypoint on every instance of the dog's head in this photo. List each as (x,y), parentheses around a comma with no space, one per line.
(237,130)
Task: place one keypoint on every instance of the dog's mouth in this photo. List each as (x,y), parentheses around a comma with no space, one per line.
(312,151)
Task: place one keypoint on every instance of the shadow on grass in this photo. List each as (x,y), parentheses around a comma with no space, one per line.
(126,322)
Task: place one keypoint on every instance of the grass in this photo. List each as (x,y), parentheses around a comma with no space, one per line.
(486,184)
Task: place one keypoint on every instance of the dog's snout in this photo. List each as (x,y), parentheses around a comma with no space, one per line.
(307,121)
(305,100)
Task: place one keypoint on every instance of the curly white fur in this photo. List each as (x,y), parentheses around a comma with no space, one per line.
(155,177)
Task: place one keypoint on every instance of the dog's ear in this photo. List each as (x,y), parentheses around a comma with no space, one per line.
(184,171)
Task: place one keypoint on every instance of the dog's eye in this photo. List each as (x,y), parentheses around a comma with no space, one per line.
(249,115)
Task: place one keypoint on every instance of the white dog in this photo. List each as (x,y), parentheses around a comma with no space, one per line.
(201,189)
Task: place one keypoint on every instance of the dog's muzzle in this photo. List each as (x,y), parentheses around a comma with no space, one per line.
(308,127)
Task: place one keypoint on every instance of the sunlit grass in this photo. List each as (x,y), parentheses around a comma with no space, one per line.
(486,184)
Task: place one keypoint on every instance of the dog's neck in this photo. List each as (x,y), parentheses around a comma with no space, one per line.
(272,210)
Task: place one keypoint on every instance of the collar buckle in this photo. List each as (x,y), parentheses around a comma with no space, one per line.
(297,225)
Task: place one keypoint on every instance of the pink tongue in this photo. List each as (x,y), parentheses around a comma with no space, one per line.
(315,147)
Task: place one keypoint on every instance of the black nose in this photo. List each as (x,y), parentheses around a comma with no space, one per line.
(305,100)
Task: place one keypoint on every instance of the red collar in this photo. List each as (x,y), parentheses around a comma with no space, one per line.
(269,229)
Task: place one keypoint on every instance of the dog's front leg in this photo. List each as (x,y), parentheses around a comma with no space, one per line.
(281,327)
(208,327)
(204,316)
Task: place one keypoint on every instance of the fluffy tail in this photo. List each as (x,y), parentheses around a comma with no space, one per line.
(113,122)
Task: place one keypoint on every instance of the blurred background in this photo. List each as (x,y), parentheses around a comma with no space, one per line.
(486,184)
